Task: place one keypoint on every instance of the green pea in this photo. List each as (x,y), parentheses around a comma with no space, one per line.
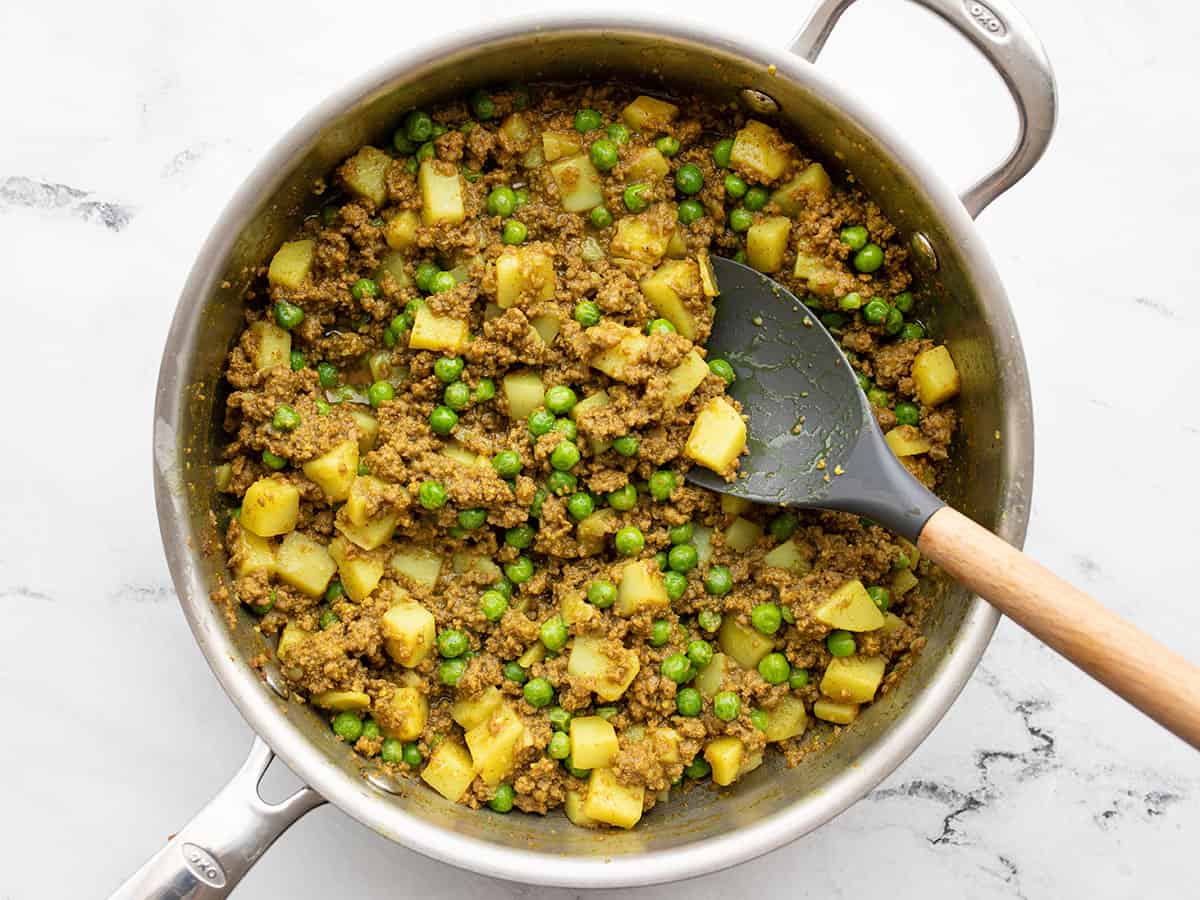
(894,322)
(759,719)
(676,667)
(580,506)
(412,755)
(740,257)
(700,653)
(907,414)
(522,197)
(798,679)
(442,282)
(514,232)
(364,287)
(327,620)
(560,746)
(493,605)
(689,179)
(348,726)
(503,798)
(756,198)
(774,668)
(514,672)
(330,213)
(722,151)
(442,420)
(564,456)
(285,418)
(740,220)
(877,396)
(735,186)
(554,634)
(783,526)
(626,445)
(327,375)
(667,145)
(418,127)
(503,586)
(334,591)
(623,498)
(288,315)
(507,464)
(766,617)
(681,534)
(912,331)
(424,152)
(604,154)
(392,751)
(560,399)
(601,218)
(273,460)
(709,620)
(727,706)
(904,302)
(485,390)
(482,106)
(410,165)
(660,326)
(690,211)
(560,483)
(675,585)
(688,702)
(457,396)
(432,494)
(880,596)
(560,719)
(855,237)
(587,120)
(876,311)
(662,484)
(363,468)
(501,201)
(323,408)
(380,393)
(618,132)
(833,320)
(519,570)
(632,196)
(261,609)
(425,275)
(851,302)
(602,594)
(519,536)
(577,772)
(587,313)
(841,643)
(296,360)
(723,370)
(718,581)
(683,558)
(698,768)
(538,692)
(540,422)
(662,561)
(629,541)
(451,670)
(869,258)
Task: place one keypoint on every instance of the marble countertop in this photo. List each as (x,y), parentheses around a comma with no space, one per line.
(126,125)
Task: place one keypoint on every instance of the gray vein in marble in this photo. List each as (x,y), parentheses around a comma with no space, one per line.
(21,592)
(141,593)
(184,160)
(1156,306)
(18,191)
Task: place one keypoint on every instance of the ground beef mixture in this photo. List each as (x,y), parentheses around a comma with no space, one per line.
(459,419)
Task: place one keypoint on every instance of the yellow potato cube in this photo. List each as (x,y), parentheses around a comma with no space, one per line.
(677,245)
(643,238)
(936,376)
(441,193)
(766,243)
(667,287)
(371,534)
(359,572)
(334,470)
(853,679)
(460,454)
(593,531)
(574,608)
(611,802)
(903,582)
(290,640)
(718,436)
(573,807)
(851,608)
(465,561)
(618,361)
(787,720)
(365,174)
(608,674)
(270,345)
(702,541)
(832,711)
(905,440)
(419,564)
(433,332)
(742,534)
(712,675)
(593,742)
(818,278)
(524,272)
(547,327)
(725,755)
(745,645)
(401,231)
(250,553)
(579,187)
(534,654)
(649,114)
(558,145)
(518,131)
(450,770)
(409,631)
(734,506)
(579,412)
(640,587)
(270,507)
(291,264)
(648,163)
(478,709)
(789,555)
(304,564)
(666,741)
(405,714)
(494,743)
(811,184)
(368,430)
(683,380)
(342,701)
(524,392)
(360,499)
(760,152)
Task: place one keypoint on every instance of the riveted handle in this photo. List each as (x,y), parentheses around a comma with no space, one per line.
(1008,42)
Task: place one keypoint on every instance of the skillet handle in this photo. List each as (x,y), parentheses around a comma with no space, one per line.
(211,853)
(1008,42)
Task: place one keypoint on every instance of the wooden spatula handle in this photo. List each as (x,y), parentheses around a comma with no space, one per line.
(1154,678)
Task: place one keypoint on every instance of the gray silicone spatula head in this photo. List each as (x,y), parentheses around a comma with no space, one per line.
(812,438)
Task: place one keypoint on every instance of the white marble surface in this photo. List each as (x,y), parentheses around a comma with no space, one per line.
(124,127)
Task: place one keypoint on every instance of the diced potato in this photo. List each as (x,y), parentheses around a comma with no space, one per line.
(745,645)
(334,470)
(371,534)
(409,632)
(433,332)
(420,564)
(936,376)
(677,245)
(359,572)
(608,677)
(593,531)
(649,114)
(465,561)
(734,506)
(790,556)
(524,272)
(405,714)
(270,507)
(712,674)
(494,743)
(760,152)
(251,552)
(750,762)
(648,163)
(573,807)
(817,277)
(766,243)
(450,770)
(905,440)
(441,193)
(368,430)
(718,436)
(811,184)
(702,541)
(787,720)
(593,742)
(642,237)
(617,361)
(547,328)
(742,534)
(470,712)
(640,587)
(611,802)
(850,607)
(891,623)
(558,145)
(401,231)
(683,380)
(270,345)
(304,564)
(291,264)
(853,679)
(588,404)
(290,640)
(579,187)
(574,608)
(725,755)
(342,701)
(903,582)
(535,654)
(708,277)
(393,265)
(363,491)
(365,174)
(518,131)
(524,392)
(460,454)
(665,289)
(832,711)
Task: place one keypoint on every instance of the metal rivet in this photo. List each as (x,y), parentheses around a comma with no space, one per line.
(382,781)
(757,101)
(924,251)
(274,680)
